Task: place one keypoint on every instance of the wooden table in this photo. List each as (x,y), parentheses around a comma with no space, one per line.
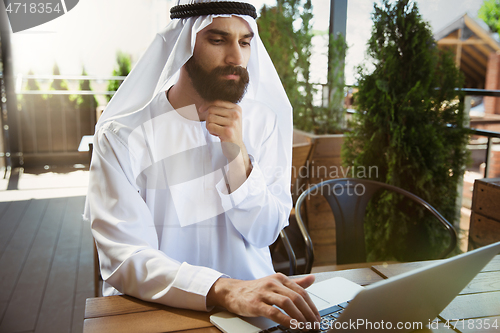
(480,300)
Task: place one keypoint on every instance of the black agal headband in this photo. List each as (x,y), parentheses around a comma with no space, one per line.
(212,8)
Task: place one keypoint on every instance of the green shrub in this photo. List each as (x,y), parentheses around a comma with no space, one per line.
(407,100)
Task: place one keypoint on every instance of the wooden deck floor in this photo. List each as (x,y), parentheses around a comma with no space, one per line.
(46,260)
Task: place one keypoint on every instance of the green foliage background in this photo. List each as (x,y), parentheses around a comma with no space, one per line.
(331,117)
(407,102)
(124,65)
(490,14)
(286,31)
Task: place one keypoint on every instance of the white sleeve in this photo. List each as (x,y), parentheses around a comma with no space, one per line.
(260,207)
(126,238)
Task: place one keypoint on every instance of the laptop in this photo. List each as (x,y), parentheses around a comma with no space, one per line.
(404,303)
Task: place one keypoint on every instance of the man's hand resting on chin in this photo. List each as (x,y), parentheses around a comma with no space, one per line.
(257,297)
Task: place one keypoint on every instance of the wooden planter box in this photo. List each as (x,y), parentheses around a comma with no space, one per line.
(324,163)
(485,217)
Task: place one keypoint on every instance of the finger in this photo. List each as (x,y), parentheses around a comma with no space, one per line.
(220,103)
(220,108)
(232,114)
(305,281)
(304,304)
(206,107)
(215,129)
(275,315)
(288,303)
(224,133)
(296,298)
(218,119)
(308,307)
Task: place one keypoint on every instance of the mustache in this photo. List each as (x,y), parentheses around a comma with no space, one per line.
(230,70)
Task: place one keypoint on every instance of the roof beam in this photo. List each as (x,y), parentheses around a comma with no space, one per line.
(458,58)
(478,56)
(466,58)
(485,49)
(458,41)
(471,73)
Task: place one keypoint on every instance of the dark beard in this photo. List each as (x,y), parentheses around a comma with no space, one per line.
(212,87)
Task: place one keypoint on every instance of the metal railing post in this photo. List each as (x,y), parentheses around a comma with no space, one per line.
(467,100)
(488,157)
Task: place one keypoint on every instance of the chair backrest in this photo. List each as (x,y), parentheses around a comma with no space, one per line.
(300,155)
(348,199)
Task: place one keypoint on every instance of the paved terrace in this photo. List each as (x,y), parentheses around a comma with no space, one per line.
(46,258)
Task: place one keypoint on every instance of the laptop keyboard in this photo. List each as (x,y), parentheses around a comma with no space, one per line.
(329,315)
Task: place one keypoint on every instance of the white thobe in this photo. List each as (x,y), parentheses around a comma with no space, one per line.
(165,226)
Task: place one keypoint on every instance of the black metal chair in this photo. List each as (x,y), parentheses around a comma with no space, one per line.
(349,213)
(286,265)
(97,274)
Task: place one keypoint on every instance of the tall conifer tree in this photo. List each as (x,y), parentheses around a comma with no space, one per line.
(409,126)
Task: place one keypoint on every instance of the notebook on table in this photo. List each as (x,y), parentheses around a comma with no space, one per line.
(403,303)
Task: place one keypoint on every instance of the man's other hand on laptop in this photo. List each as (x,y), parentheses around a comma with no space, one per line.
(256,298)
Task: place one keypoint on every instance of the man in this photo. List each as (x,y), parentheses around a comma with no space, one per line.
(190,179)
